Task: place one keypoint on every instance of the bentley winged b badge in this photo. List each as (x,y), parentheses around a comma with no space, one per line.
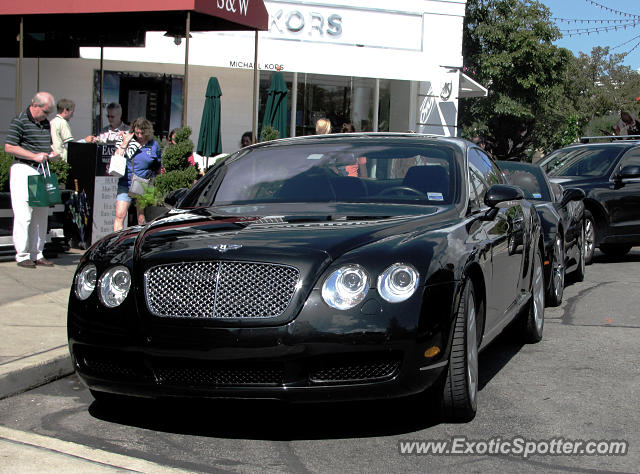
(222,248)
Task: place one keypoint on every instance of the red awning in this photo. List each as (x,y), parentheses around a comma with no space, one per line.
(56,28)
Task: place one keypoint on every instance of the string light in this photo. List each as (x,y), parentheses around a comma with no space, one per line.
(628,20)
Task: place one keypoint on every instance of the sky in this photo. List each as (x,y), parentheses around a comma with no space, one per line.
(591,10)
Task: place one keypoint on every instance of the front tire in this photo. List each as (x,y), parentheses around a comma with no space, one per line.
(556,287)
(579,273)
(460,394)
(533,318)
(589,237)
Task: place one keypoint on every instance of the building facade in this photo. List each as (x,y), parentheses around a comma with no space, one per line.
(382,66)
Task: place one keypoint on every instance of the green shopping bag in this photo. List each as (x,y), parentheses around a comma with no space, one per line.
(53,190)
(43,188)
(38,196)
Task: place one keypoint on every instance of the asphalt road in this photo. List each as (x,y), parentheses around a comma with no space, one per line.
(580,383)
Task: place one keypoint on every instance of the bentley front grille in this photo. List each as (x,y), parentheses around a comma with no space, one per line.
(220,290)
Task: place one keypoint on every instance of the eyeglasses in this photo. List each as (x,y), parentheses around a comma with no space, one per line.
(46,110)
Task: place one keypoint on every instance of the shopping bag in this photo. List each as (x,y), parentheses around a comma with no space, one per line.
(117,165)
(38,196)
(53,190)
(138,185)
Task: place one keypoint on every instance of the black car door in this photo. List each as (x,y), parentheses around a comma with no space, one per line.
(506,237)
(622,200)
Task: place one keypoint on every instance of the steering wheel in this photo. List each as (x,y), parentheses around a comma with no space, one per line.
(399,190)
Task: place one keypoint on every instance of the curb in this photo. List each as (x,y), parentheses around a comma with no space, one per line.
(17,380)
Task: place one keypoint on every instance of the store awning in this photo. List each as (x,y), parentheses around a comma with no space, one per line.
(58,28)
(470,88)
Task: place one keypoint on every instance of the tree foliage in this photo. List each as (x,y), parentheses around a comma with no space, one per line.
(599,87)
(541,97)
(508,46)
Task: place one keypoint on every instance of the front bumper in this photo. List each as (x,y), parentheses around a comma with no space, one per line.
(317,356)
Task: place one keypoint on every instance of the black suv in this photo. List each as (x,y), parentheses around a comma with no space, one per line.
(609,174)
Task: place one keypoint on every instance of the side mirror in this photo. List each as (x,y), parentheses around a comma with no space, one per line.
(174,197)
(502,192)
(572,194)
(629,172)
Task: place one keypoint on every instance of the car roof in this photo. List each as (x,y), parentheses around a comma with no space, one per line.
(395,136)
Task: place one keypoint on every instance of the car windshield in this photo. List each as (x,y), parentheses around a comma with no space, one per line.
(581,161)
(326,170)
(529,178)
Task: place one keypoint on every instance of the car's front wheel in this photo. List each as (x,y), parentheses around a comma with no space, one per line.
(579,273)
(589,237)
(533,319)
(460,394)
(556,287)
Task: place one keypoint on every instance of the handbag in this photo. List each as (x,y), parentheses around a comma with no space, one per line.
(117,165)
(138,183)
(43,189)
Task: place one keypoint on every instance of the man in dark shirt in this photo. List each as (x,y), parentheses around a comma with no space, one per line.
(29,141)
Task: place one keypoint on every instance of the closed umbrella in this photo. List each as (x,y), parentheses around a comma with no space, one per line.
(275,113)
(210,140)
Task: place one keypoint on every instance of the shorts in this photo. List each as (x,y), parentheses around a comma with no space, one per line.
(123,194)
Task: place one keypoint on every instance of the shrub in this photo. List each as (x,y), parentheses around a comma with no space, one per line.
(5,165)
(176,179)
(176,156)
(61,169)
(269,133)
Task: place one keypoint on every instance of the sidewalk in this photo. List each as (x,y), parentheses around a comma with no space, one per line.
(33,323)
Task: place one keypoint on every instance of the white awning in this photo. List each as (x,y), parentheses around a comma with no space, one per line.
(470,88)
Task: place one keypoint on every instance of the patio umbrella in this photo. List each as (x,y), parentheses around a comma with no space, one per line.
(210,140)
(275,113)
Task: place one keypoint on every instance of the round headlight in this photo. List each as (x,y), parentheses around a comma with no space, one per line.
(398,282)
(86,281)
(346,287)
(114,286)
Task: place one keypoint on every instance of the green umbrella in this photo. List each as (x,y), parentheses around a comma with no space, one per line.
(275,113)
(210,140)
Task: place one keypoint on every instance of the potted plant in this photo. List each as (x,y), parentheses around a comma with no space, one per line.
(152,201)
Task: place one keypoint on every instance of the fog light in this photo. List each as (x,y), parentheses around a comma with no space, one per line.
(432,352)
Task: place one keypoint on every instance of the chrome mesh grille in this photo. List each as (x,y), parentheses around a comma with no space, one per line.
(356,372)
(220,290)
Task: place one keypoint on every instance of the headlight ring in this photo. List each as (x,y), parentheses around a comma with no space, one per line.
(346,287)
(398,282)
(85,281)
(114,286)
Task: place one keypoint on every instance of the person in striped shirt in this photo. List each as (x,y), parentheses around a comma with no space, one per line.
(29,141)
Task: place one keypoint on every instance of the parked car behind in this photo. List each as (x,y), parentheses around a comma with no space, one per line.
(290,272)
(561,214)
(609,174)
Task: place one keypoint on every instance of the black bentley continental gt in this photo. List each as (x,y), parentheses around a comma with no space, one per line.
(561,214)
(327,267)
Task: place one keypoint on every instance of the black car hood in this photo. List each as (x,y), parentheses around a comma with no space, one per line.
(249,232)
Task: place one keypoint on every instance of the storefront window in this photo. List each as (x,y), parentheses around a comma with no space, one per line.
(157,97)
(340,99)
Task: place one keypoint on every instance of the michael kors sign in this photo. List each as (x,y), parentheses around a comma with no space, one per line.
(312,23)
